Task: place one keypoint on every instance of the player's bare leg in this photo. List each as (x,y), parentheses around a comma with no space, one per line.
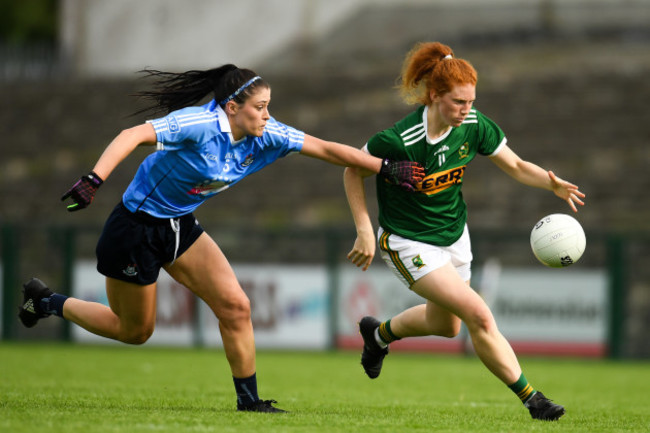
(421,320)
(426,319)
(204,269)
(131,317)
(445,288)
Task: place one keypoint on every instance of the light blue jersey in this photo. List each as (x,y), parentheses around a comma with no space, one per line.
(197,159)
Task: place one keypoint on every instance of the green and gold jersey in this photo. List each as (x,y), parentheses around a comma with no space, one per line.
(436,213)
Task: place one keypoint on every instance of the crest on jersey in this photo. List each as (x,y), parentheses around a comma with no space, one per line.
(463,152)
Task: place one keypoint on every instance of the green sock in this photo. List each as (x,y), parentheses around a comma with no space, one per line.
(522,388)
(386,334)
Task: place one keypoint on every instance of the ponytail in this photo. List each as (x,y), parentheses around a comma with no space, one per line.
(172,91)
(431,66)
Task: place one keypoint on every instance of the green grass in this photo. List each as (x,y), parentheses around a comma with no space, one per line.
(68,388)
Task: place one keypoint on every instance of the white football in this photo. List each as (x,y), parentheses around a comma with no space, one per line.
(558,240)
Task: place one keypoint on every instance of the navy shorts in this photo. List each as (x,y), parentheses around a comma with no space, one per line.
(134,246)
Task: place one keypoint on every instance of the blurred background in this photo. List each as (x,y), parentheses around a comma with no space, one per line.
(566,80)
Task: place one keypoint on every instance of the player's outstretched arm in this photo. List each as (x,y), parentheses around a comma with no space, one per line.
(533,175)
(83,191)
(406,174)
(122,146)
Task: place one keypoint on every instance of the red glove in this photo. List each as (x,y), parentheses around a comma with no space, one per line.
(406,174)
(83,192)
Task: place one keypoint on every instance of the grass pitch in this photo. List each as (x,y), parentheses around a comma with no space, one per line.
(91,389)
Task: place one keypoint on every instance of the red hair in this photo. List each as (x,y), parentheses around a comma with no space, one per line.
(431,66)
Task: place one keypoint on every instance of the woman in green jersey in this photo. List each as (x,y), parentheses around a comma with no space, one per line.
(423,237)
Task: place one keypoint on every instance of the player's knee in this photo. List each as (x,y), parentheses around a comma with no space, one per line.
(235,310)
(138,335)
(443,325)
(450,330)
(480,320)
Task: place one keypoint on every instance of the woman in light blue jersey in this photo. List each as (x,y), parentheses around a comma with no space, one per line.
(201,150)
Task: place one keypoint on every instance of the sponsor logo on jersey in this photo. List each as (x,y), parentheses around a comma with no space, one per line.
(209,187)
(440,181)
(248,161)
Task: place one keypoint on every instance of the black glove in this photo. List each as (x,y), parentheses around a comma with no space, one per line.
(83,192)
(406,174)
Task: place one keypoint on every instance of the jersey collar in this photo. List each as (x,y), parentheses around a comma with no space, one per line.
(224,125)
(222,118)
(426,128)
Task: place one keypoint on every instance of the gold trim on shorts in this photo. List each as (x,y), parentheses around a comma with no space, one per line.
(394,257)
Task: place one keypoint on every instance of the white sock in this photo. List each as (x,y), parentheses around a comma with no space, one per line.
(379,340)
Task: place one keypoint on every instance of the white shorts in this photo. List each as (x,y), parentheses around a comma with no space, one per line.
(411,260)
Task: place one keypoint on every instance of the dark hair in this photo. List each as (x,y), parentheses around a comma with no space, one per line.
(172,91)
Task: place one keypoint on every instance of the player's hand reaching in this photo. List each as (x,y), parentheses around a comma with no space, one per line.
(566,191)
(83,192)
(406,174)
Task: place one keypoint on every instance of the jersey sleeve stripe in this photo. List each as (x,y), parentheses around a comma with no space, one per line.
(161,125)
(472,117)
(416,139)
(285,132)
(157,124)
(417,133)
(196,122)
(406,135)
(276,129)
(201,114)
(419,125)
(295,138)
